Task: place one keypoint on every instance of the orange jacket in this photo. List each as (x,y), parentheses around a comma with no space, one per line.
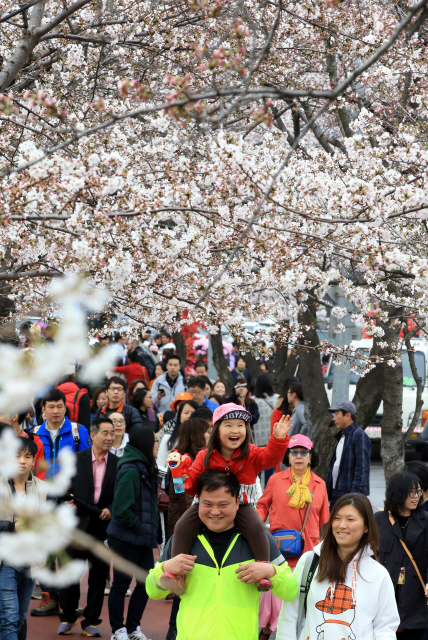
(282,516)
(39,466)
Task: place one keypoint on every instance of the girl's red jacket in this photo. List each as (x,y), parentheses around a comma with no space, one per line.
(246,469)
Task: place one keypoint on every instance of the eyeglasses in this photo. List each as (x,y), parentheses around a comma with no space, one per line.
(297,453)
(118,422)
(415,494)
(115,388)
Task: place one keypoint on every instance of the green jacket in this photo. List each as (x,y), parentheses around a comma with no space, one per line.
(216,604)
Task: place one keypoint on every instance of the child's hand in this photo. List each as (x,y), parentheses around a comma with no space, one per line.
(255,571)
(180,565)
(281,428)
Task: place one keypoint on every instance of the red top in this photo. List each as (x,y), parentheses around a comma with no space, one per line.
(276,417)
(39,466)
(246,469)
(133,371)
(282,516)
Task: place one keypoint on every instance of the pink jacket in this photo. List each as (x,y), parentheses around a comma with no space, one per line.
(282,516)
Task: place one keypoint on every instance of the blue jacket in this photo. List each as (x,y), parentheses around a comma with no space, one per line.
(210,404)
(354,470)
(64,439)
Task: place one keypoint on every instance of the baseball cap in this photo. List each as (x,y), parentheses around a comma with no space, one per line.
(299,440)
(180,397)
(230,411)
(346,405)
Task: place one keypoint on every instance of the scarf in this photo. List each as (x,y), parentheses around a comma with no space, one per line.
(300,493)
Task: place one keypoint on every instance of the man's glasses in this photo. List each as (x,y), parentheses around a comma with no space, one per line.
(116,388)
(299,453)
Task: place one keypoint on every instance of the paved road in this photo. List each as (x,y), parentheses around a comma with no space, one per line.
(156,617)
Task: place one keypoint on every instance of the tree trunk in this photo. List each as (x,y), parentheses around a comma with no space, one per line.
(220,362)
(318,418)
(180,346)
(392,442)
(369,391)
(253,366)
(283,367)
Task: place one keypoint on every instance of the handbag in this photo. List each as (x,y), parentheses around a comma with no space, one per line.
(291,542)
(412,560)
(163,500)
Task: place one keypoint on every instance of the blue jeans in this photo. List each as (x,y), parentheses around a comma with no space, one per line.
(16,588)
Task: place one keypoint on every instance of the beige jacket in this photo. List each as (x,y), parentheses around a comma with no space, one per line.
(35,488)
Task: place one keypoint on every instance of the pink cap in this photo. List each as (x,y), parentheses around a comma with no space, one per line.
(299,440)
(231,410)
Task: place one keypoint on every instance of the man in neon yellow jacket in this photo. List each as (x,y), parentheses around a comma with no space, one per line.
(221,601)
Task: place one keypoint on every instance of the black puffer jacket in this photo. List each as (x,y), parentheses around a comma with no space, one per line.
(131,415)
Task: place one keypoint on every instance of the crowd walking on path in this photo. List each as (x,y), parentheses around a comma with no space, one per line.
(251,540)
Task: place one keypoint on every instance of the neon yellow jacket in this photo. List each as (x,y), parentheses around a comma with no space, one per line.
(216,604)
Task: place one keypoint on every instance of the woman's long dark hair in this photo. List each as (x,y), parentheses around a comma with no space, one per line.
(174,435)
(97,392)
(264,386)
(331,567)
(138,398)
(398,489)
(285,387)
(143,439)
(131,388)
(191,438)
(214,443)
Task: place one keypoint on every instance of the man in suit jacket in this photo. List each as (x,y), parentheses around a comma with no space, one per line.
(93,490)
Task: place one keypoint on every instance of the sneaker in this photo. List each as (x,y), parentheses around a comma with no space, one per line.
(91,631)
(48,607)
(175,584)
(120,634)
(264,585)
(37,592)
(137,635)
(65,628)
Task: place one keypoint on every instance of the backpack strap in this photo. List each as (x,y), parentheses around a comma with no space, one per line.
(308,573)
(75,433)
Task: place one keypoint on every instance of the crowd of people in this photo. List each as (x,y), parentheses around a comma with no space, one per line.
(258,543)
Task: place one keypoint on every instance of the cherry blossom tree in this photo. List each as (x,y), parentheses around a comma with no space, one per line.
(190,156)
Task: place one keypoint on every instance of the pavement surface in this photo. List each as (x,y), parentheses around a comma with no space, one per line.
(156,616)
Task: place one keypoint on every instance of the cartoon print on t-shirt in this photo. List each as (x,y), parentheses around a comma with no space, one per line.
(338,614)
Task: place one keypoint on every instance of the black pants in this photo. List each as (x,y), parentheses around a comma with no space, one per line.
(69,597)
(174,611)
(143,557)
(411,634)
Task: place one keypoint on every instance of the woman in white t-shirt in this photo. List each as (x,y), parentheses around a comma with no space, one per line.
(351,596)
(120,437)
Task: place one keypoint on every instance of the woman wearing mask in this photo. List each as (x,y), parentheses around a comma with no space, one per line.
(132,532)
(404,521)
(287,498)
(350,595)
(143,402)
(121,438)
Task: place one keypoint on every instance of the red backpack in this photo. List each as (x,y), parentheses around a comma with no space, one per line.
(72,398)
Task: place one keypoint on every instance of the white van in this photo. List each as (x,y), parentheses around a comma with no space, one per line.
(419,439)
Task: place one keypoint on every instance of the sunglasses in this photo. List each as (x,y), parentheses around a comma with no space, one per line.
(296,453)
(240,386)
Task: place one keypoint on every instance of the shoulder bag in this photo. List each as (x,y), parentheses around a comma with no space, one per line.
(412,560)
(308,573)
(291,542)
